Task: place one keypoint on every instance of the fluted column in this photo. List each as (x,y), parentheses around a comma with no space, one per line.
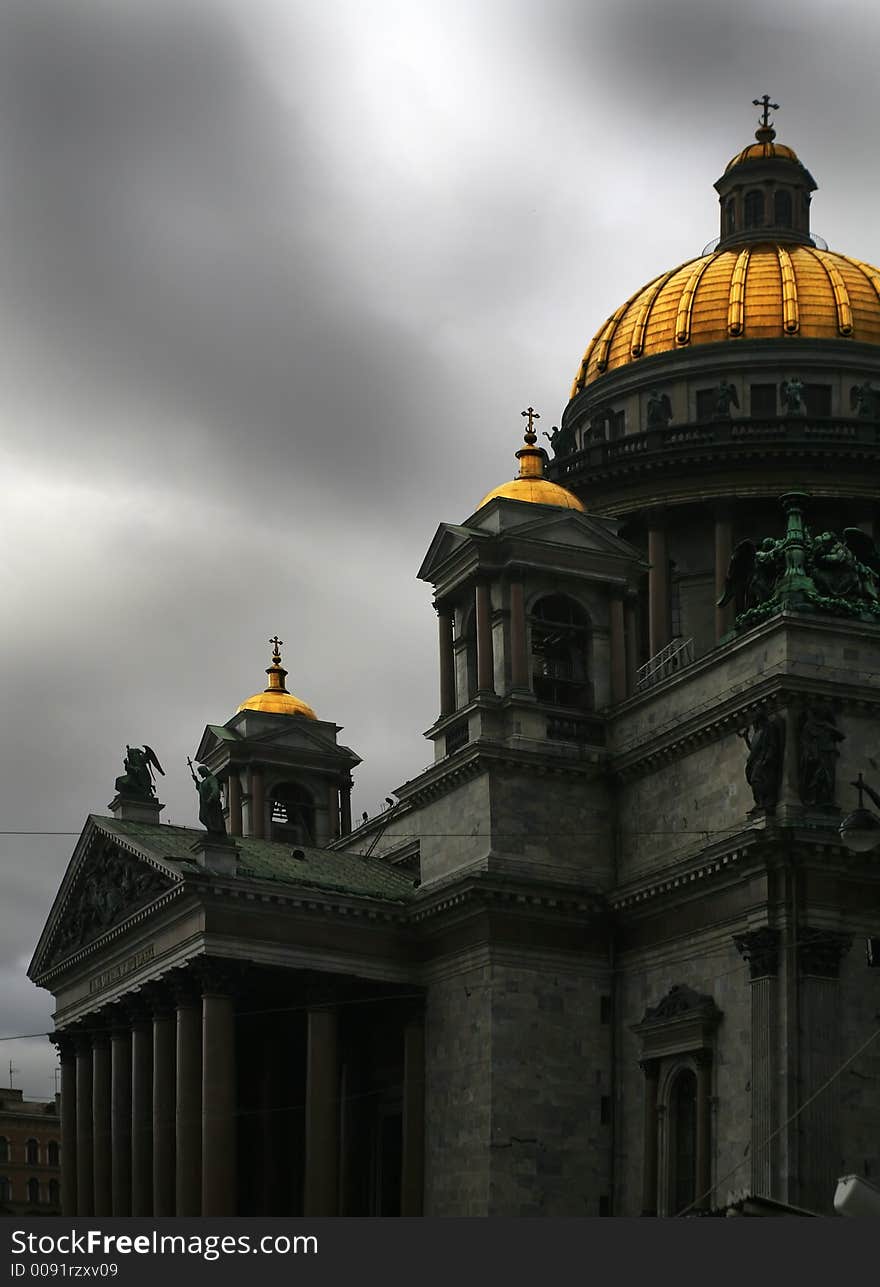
(320,1196)
(723,550)
(485,662)
(519,658)
(704,1130)
(67,1054)
(142,1114)
(630,620)
(164,1096)
(412,1182)
(188,1106)
(345,806)
(101,1124)
(617,643)
(233,789)
(258,804)
(651,1069)
(120,1107)
(219,1169)
(659,625)
(85,1175)
(447,662)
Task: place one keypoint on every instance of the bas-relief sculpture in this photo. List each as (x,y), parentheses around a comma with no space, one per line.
(113,885)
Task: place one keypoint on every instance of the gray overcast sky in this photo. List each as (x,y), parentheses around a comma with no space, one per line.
(276,279)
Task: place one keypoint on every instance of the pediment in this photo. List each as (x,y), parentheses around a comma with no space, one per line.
(577,531)
(278,731)
(448,541)
(105,884)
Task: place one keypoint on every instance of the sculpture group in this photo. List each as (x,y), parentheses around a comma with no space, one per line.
(137,783)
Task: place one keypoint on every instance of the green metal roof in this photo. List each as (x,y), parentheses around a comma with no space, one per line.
(332,870)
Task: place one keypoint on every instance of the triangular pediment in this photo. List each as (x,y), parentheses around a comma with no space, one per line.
(449,540)
(577,531)
(106,882)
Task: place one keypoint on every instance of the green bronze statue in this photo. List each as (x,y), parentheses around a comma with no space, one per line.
(210,800)
(136,783)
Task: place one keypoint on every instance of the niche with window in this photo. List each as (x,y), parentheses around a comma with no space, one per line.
(33,1191)
(5,1190)
(54,1193)
(560,637)
(782,210)
(762,400)
(32,1152)
(293,814)
(754,209)
(54,1153)
(817,399)
(682,1153)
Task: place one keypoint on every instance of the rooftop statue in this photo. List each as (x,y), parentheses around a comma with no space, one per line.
(659,409)
(210,800)
(726,397)
(863,400)
(792,396)
(828,573)
(136,783)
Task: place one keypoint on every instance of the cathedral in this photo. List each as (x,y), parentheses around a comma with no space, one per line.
(615,952)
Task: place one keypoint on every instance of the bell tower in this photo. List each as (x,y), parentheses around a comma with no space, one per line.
(285,776)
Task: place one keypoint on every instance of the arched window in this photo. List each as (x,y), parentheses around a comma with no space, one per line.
(559,651)
(5,1154)
(782,209)
(54,1193)
(293,814)
(54,1153)
(32,1152)
(754,209)
(33,1191)
(683,1140)
(5,1189)
(730,216)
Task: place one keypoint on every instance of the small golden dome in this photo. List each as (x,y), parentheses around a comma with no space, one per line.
(771,290)
(530,485)
(762,151)
(276,700)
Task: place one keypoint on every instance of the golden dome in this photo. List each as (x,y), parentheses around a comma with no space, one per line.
(276,700)
(530,485)
(770,290)
(762,151)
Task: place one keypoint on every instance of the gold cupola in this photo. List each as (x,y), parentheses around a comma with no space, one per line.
(530,484)
(276,700)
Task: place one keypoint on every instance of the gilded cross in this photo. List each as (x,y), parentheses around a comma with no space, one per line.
(767,106)
(276,646)
(533,416)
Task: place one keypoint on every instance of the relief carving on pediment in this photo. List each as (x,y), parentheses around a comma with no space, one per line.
(112,885)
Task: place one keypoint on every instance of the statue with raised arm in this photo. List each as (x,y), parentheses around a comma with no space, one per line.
(210,800)
(136,783)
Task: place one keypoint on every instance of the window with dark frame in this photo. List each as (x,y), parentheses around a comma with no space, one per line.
(559,642)
(754,209)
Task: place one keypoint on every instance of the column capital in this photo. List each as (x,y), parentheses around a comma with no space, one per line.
(821,951)
(217,976)
(760,948)
(158,995)
(184,986)
(65,1041)
(651,1069)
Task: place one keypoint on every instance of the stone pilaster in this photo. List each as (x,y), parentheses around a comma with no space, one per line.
(723,549)
(760,948)
(219,1169)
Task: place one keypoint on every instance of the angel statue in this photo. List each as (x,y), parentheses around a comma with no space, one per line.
(766,742)
(752,573)
(659,409)
(863,400)
(792,392)
(725,397)
(137,781)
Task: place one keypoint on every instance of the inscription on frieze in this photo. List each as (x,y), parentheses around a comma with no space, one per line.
(129,966)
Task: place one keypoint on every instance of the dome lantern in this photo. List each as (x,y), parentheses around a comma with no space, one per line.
(530,483)
(275,699)
(764,192)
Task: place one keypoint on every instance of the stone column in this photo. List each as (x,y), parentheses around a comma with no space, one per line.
(519,642)
(704,1130)
(651,1069)
(723,550)
(258,804)
(412,1184)
(188,1105)
(322,1115)
(345,806)
(659,625)
(631,631)
(233,788)
(101,1124)
(333,810)
(142,1114)
(219,1169)
(617,644)
(164,1074)
(67,1054)
(447,662)
(120,1108)
(485,662)
(760,948)
(85,1175)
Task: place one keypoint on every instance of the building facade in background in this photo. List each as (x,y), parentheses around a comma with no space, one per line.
(613,952)
(30,1155)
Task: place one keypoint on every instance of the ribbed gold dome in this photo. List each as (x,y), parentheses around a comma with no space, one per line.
(762,151)
(276,700)
(764,291)
(530,485)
